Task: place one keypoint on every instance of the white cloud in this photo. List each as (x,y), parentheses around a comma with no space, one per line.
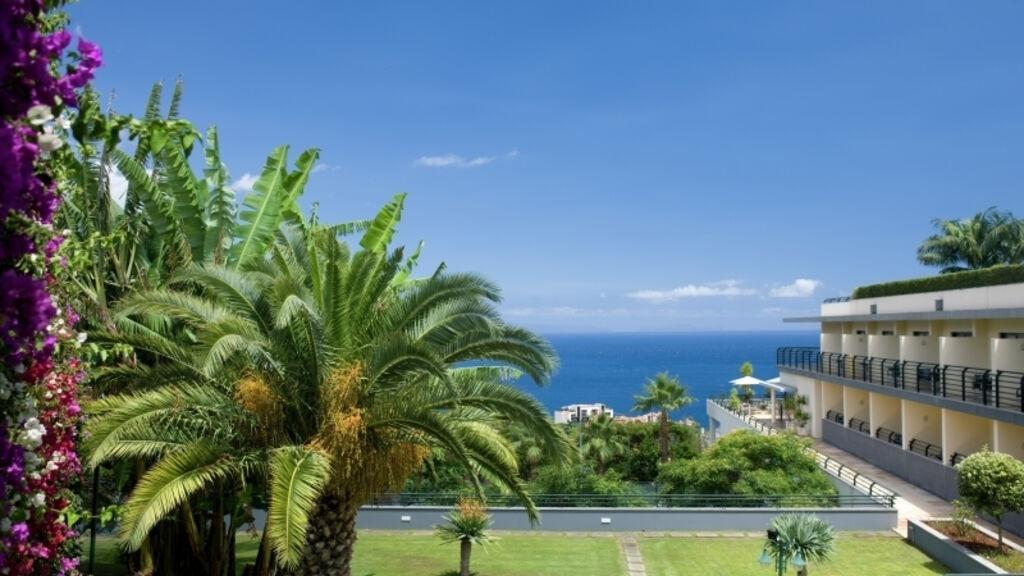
(772,311)
(322,167)
(456,161)
(245,183)
(723,288)
(801,287)
(118,185)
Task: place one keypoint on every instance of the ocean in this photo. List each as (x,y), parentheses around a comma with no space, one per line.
(612,368)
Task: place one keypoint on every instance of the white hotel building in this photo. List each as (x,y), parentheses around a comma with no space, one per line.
(915,383)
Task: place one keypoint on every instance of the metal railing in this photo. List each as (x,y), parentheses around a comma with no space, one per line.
(881,495)
(997,388)
(644,500)
(927,449)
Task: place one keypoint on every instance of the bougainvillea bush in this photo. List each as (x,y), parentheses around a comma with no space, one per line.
(38,374)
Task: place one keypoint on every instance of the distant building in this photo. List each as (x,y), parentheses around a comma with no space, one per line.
(649,417)
(576,412)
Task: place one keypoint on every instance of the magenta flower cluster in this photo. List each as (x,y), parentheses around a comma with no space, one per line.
(39,414)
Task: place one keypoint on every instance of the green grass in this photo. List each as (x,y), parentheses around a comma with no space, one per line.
(549,554)
(855,554)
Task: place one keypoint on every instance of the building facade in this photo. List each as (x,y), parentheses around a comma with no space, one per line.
(576,412)
(915,383)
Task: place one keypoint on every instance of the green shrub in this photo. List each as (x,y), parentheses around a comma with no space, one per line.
(994,276)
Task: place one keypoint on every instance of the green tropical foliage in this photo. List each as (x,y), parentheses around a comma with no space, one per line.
(665,393)
(468,525)
(992,483)
(800,539)
(746,463)
(316,374)
(987,239)
(602,442)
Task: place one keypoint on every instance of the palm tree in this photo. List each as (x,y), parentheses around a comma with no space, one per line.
(602,441)
(800,536)
(667,394)
(468,525)
(326,375)
(989,238)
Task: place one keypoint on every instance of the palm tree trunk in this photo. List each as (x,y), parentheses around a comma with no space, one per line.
(465,548)
(664,436)
(330,537)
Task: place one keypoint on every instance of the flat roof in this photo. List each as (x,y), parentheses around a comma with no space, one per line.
(977,314)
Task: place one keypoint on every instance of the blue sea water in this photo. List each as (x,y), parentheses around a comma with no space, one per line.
(612,368)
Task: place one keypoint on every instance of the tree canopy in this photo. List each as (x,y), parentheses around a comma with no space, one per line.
(745,462)
(992,483)
(987,239)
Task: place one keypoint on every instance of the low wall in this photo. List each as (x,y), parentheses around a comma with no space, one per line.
(926,473)
(956,557)
(923,472)
(628,519)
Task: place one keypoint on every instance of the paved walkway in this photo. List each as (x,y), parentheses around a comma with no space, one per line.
(913,502)
(634,562)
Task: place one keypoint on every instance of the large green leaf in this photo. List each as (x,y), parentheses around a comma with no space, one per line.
(220,215)
(295,185)
(297,479)
(184,189)
(159,208)
(378,237)
(263,213)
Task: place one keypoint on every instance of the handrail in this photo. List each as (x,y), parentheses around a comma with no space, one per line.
(1002,389)
(641,500)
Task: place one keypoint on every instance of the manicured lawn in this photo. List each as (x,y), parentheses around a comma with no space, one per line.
(550,554)
(855,554)
(554,554)
(423,554)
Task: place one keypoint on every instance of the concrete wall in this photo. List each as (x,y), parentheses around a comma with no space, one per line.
(927,473)
(722,421)
(627,519)
(954,556)
(984,298)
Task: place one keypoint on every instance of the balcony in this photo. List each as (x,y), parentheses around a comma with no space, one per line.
(997,388)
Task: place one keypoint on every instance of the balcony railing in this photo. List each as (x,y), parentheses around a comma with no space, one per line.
(997,388)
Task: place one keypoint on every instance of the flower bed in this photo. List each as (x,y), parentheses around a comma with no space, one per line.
(983,543)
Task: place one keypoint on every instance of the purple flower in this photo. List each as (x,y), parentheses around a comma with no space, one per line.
(19,532)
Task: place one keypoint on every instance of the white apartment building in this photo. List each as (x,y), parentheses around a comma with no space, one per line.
(576,412)
(915,383)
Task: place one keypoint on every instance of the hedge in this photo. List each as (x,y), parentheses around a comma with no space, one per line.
(993,276)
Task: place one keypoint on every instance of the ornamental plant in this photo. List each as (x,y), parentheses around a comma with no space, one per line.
(468,524)
(38,410)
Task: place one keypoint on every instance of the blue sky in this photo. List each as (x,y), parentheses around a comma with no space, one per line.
(614,166)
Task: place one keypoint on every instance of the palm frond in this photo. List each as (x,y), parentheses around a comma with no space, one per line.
(297,479)
(168,484)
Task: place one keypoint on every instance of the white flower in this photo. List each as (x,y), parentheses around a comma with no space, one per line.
(32,435)
(38,499)
(48,141)
(81,337)
(5,525)
(39,114)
